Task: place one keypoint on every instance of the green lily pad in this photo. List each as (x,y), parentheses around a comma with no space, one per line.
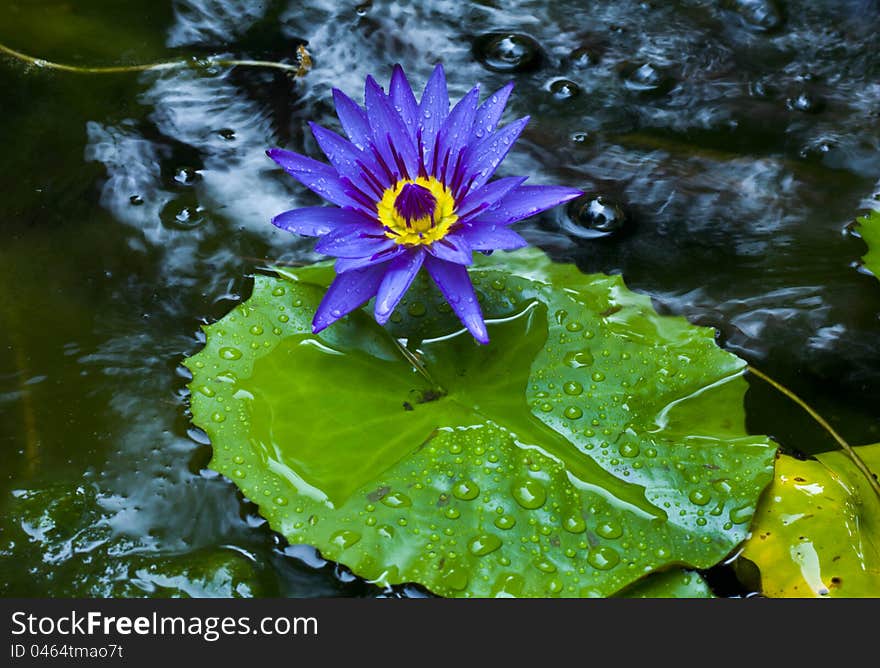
(869,230)
(817,530)
(676,583)
(591,442)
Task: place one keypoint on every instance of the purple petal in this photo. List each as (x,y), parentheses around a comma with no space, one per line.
(433,109)
(404,101)
(346,293)
(483,158)
(354,241)
(452,248)
(490,112)
(398,277)
(350,162)
(353,119)
(316,176)
(390,134)
(483,198)
(456,130)
(455,284)
(525,201)
(491,237)
(316,221)
(345,264)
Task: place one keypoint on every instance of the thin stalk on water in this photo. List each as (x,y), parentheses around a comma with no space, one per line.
(416,363)
(29,422)
(303,65)
(853,455)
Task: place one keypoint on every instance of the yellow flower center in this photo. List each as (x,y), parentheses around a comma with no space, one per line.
(417,211)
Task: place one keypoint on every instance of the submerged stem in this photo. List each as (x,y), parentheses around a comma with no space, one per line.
(860,464)
(413,359)
(304,63)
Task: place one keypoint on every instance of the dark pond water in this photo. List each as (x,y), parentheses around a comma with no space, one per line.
(725,145)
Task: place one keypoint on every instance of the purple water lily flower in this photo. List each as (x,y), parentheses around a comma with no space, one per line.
(412,188)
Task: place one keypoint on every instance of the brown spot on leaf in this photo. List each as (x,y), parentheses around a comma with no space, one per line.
(611,310)
(430,395)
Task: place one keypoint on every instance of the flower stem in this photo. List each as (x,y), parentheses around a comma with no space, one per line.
(853,455)
(303,65)
(413,359)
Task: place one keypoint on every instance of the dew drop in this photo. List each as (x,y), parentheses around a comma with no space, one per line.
(396,500)
(218,417)
(465,490)
(609,530)
(505,522)
(742,514)
(573,413)
(417,309)
(229,353)
(573,388)
(603,558)
(629,450)
(484,544)
(345,538)
(574,524)
(530,494)
(544,565)
(578,359)
(699,497)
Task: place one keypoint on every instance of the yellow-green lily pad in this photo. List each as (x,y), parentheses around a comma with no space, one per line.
(869,231)
(817,530)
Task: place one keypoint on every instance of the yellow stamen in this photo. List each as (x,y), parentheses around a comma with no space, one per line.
(425,230)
